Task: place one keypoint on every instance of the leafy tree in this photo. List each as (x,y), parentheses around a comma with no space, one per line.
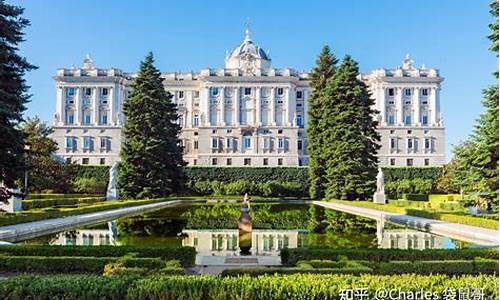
(46,171)
(151,156)
(325,69)
(350,141)
(13,96)
(477,159)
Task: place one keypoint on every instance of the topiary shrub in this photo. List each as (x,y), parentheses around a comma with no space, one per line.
(90,185)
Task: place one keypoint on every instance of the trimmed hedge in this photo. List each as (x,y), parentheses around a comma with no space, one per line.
(290,257)
(287,271)
(70,264)
(301,286)
(254,174)
(186,255)
(408,173)
(416,197)
(42,203)
(65,287)
(56,196)
(290,287)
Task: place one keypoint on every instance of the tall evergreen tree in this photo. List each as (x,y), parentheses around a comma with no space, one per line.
(479,161)
(349,135)
(151,156)
(46,171)
(13,96)
(325,68)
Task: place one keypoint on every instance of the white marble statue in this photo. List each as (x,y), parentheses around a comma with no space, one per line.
(15,201)
(379,196)
(112,192)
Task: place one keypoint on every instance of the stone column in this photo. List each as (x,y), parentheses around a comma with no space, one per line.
(204,107)
(382,106)
(61,106)
(258,106)
(112,118)
(399,106)
(95,105)
(433,111)
(286,109)
(416,106)
(78,105)
(236,108)
(222,107)
(273,107)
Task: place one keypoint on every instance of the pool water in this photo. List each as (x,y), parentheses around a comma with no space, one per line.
(212,229)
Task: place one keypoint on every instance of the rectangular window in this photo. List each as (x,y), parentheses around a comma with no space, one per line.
(265,161)
(247,162)
(392,161)
(215,143)
(267,143)
(88,91)
(68,160)
(102,161)
(280,91)
(299,121)
(196,121)
(87,143)
(70,142)
(248,91)
(390,92)
(407,92)
(195,145)
(181,94)
(247,142)
(390,119)
(427,143)
(229,143)
(70,92)
(85,161)
(104,118)
(280,161)
(281,143)
(408,120)
(229,161)
(104,91)
(425,92)
(425,120)
(410,143)
(299,145)
(86,118)
(214,161)
(299,94)
(394,143)
(196,94)
(214,91)
(71,118)
(426,162)
(409,162)
(195,162)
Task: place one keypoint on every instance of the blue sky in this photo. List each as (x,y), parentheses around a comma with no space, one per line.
(189,35)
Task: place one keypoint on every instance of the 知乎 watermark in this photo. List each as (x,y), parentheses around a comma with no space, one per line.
(399,294)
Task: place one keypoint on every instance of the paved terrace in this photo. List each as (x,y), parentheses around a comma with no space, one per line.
(26,231)
(473,234)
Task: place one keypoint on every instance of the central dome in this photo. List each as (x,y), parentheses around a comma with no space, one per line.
(247,55)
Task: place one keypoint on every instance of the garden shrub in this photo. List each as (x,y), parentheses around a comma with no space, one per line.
(186,255)
(42,203)
(290,257)
(485,266)
(416,197)
(300,286)
(90,185)
(299,270)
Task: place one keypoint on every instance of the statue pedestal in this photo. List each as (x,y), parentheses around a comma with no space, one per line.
(14,203)
(379,198)
(112,194)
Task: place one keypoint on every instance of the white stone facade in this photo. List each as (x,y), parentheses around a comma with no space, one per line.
(246,114)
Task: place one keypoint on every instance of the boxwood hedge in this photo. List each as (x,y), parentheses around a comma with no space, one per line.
(186,255)
(290,257)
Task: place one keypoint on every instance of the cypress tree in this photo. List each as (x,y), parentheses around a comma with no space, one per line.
(325,68)
(151,156)
(13,96)
(477,164)
(349,135)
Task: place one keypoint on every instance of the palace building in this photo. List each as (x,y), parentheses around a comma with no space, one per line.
(245,114)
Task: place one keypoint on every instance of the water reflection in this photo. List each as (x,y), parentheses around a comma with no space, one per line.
(88,237)
(225,242)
